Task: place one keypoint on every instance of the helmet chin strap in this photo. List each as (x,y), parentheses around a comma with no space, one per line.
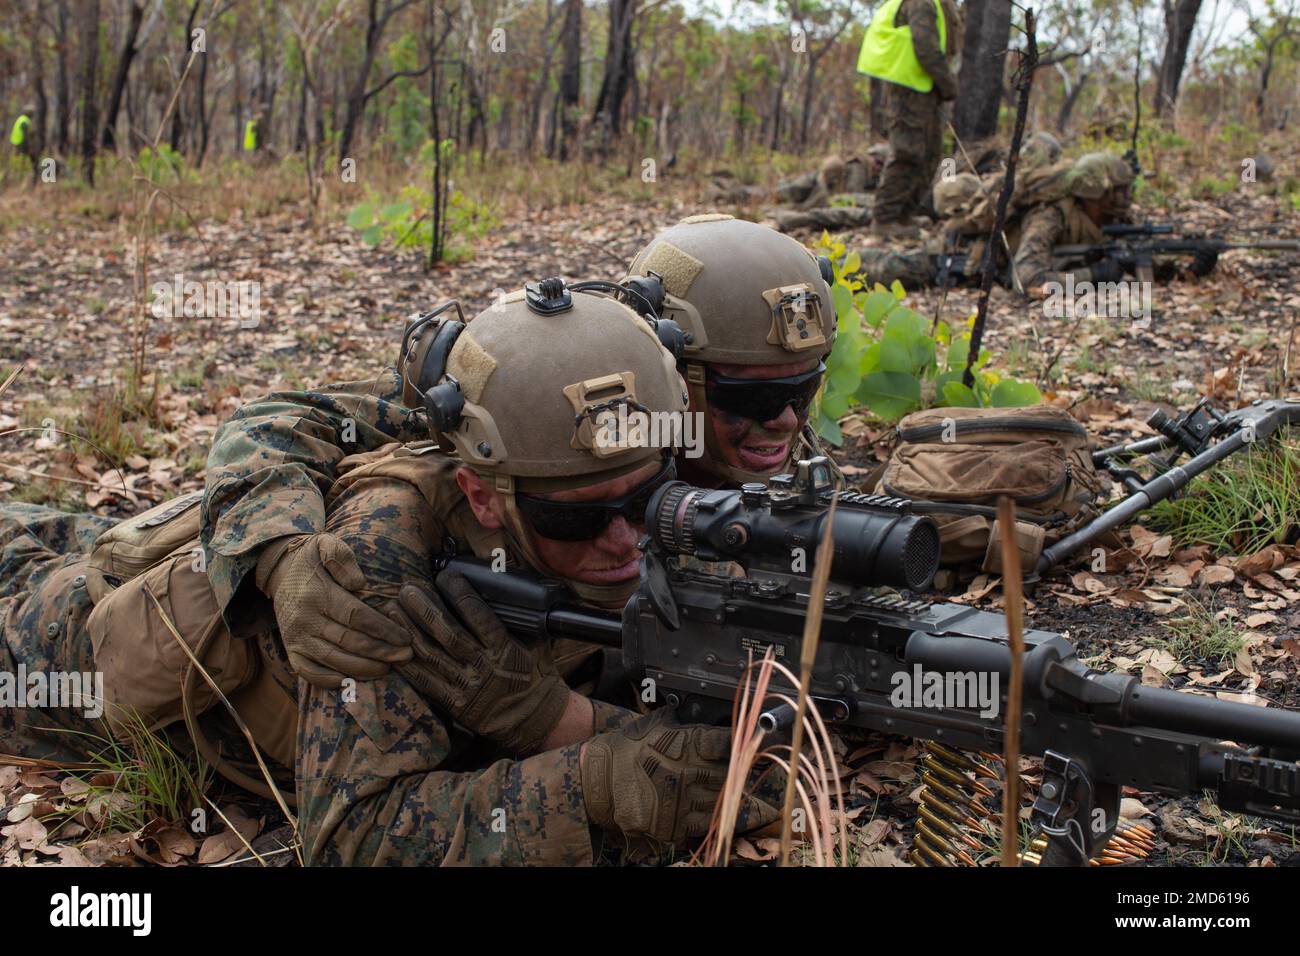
(712,460)
(608,596)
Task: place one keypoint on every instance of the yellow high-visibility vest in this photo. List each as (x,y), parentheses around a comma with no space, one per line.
(887,52)
(18,135)
(250,136)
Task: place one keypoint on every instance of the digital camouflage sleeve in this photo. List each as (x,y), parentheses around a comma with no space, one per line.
(383,779)
(271,464)
(920,16)
(1043,228)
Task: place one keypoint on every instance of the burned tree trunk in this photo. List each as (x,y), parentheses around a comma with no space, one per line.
(1180,20)
(89,73)
(119,76)
(983,60)
(62,98)
(618,70)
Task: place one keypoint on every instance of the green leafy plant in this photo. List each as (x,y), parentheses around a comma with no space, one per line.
(893,360)
(407,222)
(155,163)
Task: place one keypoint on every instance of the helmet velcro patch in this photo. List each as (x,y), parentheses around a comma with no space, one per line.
(675,266)
(706,217)
(471,365)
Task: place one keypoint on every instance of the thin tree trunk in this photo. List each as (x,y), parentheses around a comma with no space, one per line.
(119,77)
(570,76)
(618,67)
(200,100)
(983,60)
(177,122)
(89,75)
(1180,21)
(62,98)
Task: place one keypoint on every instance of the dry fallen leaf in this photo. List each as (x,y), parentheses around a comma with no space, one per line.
(220,846)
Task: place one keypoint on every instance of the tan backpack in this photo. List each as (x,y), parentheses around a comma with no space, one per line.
(954,464)
(153,557)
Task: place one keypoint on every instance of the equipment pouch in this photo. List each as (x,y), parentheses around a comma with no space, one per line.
(955,463)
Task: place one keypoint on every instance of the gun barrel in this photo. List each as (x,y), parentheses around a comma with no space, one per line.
(1220,719)
(1292,244)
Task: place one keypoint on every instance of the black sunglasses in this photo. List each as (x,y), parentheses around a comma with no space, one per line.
(584,520)
(763,399)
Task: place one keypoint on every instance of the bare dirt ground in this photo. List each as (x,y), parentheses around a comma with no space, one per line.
(333,309)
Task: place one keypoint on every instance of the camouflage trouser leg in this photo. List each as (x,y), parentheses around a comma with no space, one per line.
(915,270)
(45,649)
(915,141)
(828,217)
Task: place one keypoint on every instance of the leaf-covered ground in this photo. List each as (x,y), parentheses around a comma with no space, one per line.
(333,309)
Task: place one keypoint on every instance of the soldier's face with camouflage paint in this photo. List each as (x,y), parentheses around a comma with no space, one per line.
(609,558)
(761,447)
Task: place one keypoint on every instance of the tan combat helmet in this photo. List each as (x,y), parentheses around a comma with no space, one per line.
(529,393)
(1093,174)
(956,195)
(744,294)
(1041,149)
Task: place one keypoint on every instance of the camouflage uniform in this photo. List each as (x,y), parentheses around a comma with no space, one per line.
(1044,213)
(915,119)
(43,609)
(382,779)
(271,465)
(834,197)
(837,196)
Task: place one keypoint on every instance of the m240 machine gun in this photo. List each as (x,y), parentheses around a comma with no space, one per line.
(723,580)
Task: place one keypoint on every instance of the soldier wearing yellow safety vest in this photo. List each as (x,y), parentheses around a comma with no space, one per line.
(22,139)
(909,45)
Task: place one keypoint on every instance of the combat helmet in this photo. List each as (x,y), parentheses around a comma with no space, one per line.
(533,391)
(1094,174)
(743,294)
(1041,149)
(956,194)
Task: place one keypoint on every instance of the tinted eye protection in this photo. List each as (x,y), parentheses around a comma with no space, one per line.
(584,520)
(763,399)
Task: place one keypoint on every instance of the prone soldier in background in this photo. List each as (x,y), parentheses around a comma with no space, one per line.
(1058,204)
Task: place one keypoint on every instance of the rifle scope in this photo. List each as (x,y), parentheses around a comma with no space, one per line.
(778,527)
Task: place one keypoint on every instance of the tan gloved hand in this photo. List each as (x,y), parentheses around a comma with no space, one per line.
(467,664)
(656,778)
(328,632)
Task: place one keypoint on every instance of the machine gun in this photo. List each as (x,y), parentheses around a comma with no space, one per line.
(1136,247)
(1204,434)
(722,582)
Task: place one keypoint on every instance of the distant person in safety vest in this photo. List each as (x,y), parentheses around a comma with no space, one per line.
(22,139)
(910,45)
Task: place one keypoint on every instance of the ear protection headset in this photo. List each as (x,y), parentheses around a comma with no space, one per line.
(440,393)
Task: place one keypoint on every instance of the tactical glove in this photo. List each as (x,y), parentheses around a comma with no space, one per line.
(475,671)
(660,780)
(1204,261)
(1109,269)
(328,632)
